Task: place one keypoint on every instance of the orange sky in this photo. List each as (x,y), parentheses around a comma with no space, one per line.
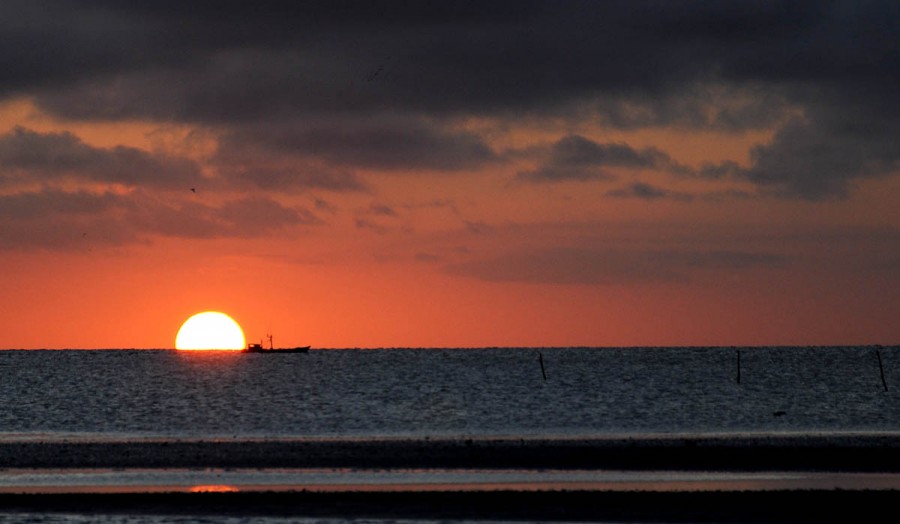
(462,179)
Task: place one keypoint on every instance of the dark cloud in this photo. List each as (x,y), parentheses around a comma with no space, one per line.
(370,225)
(721,170)
(645,191)
(575,157)
(383,210)
(250,164)
(817,160)
(576,266)
(54,219)
(253,216)
(326,155)
(234,60)
(552,173)
(277,175)
(324,205)
(249,217)
(60,220)
(813,161)
(626,64)
(379,218)
(706,104)
(29,156)
(574,150)
(477,227)
(382,144)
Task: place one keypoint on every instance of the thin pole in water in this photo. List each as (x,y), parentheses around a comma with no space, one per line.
(541,360)
(881,368)
(739,366)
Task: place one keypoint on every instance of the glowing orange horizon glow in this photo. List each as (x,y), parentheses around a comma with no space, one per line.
(210,330)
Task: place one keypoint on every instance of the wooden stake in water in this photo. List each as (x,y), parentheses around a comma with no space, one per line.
(881,368)
(541,360)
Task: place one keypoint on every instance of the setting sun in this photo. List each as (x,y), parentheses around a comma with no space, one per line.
(210,330)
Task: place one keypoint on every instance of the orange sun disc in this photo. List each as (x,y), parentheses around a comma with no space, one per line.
(210,330)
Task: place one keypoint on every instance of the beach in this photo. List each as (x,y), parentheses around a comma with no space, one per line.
(611,435)
(746,496)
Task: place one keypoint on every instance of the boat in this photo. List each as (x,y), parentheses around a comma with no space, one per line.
(258,348)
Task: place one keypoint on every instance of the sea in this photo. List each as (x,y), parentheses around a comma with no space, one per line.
(427,392)
(553,392)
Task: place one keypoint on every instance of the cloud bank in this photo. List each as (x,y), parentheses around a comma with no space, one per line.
(324,96)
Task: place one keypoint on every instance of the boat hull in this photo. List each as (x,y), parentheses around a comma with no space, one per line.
(252,349)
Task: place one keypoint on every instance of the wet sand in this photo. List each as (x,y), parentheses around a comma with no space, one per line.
(863,453)
(845,453)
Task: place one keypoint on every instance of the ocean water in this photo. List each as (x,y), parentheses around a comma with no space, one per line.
(448,392)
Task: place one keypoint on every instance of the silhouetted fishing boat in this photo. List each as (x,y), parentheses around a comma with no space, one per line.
(258,348)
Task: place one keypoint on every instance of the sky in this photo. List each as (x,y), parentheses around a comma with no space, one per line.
(450,174)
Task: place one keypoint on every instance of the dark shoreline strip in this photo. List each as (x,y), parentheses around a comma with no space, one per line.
(758,507)
(867,454)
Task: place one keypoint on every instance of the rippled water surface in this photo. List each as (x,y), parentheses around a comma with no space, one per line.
(448,392)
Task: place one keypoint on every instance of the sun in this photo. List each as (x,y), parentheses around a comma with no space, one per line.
(210,330)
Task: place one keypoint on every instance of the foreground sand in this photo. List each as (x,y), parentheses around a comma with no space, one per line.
(770,453)
(568,506)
